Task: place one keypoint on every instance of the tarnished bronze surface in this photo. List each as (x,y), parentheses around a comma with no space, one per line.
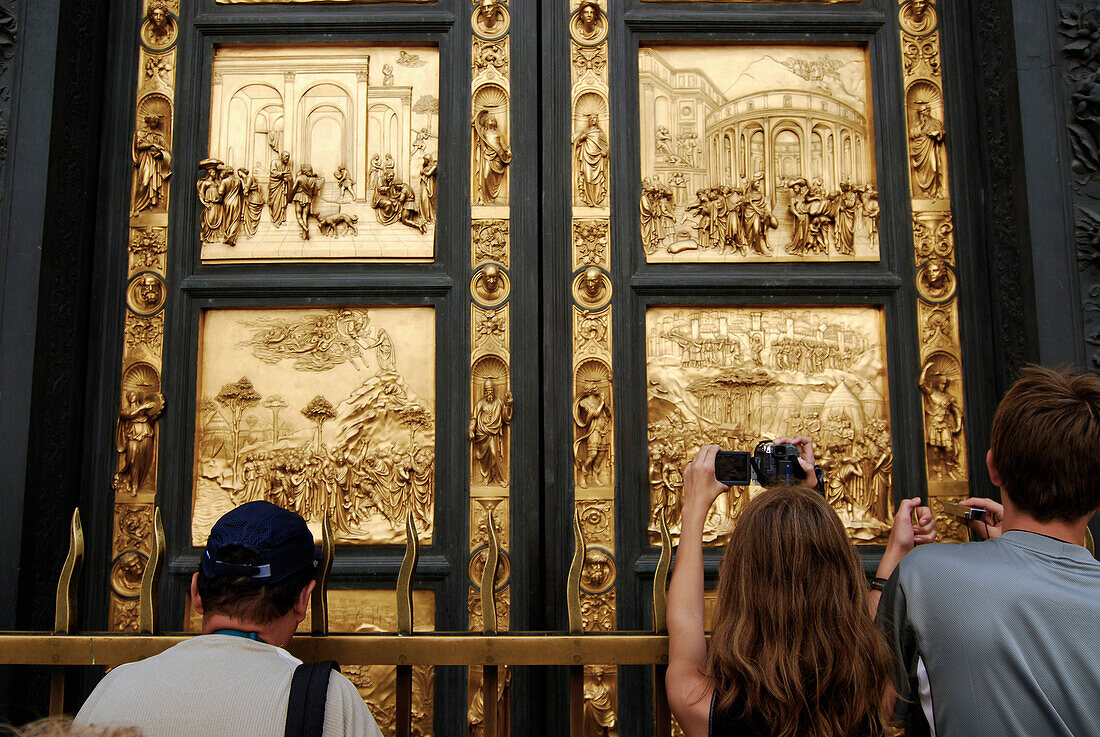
(362,453)
(757,153)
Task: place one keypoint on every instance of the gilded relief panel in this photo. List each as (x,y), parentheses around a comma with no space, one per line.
(737,375)
(328,412)
(757,153)
(321,152)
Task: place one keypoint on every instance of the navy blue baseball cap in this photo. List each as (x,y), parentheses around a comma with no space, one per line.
(280,540)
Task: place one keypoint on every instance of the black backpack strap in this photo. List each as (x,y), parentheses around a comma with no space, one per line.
(305,710)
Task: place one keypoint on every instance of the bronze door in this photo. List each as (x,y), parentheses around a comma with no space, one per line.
(445,263)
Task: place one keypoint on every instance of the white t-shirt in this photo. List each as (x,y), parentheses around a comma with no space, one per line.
(216,685)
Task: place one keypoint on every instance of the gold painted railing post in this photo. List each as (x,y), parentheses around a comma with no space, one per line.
(149,603)
(405,625)
(576,627)
(319,601)
(489,626)
(64,617)
(662,718)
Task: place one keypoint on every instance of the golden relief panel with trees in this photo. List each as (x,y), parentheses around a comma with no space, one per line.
(325,411)
(757,153)
(737,375)
(321,152)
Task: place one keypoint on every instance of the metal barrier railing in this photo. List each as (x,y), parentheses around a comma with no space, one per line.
(404,649)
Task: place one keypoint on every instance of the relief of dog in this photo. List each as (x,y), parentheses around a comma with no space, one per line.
(330,224)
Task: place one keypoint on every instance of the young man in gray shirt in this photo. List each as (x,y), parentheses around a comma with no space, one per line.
(1001,637)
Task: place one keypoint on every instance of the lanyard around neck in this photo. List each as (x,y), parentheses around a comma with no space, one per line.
(238,633)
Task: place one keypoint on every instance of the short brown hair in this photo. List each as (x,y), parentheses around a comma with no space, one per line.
(1046,443)
(249,599)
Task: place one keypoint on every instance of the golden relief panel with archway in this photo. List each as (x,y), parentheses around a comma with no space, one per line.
(325,411)
(757,154)
(738,375)
(320,153)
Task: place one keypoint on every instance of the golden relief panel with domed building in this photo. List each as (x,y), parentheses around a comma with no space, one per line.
(757,153)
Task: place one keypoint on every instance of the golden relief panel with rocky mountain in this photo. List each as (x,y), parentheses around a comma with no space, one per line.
(757,154)
(328,412)
(736,375)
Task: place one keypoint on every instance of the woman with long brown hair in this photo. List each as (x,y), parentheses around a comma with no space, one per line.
(794,651)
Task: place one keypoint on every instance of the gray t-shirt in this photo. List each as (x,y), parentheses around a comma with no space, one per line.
(216,685)
(1000,637)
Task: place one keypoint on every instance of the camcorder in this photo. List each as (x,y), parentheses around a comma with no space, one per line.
(768,463)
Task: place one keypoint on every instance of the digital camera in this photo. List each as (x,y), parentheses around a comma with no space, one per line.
(767,464)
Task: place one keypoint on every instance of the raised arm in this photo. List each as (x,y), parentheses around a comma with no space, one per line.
(689,688)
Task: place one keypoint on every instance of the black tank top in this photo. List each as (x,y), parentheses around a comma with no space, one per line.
(732,723)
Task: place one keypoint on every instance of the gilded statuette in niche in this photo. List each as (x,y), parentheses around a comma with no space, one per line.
(757,153)
(943,418)
(737,375)
(321,152)
(136,430)
(329,412)
(489,421)
(152,154)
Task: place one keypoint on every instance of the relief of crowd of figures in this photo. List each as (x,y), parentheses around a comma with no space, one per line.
(734,376)
(313,141)
(364,455)
(757,153)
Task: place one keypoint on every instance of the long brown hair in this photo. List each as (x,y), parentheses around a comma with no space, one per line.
(792,634)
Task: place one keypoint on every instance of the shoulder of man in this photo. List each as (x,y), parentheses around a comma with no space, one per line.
(346,714)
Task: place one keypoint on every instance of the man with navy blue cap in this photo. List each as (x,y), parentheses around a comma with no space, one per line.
(252,589)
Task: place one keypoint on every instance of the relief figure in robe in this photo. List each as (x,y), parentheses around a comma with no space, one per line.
(590,155)
(278,189)
(490,417)
(211,218)
(153,163)
(231,195)
(253,201)
(491,157)
(758,218)
(428,169)
(927,152)
(135,437)
(847,208)
(395,202)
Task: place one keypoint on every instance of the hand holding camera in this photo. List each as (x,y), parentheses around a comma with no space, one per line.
(984,516)
(701,487)
(789,459)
